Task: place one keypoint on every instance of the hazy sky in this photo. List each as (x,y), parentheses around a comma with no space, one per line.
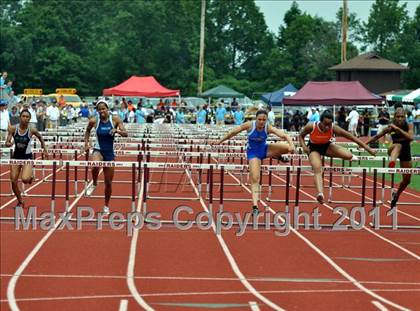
(274,10)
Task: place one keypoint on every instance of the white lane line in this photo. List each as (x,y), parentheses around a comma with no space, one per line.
(216,279)
(328,259)
(230,257)
(132,258)
(380,306)
(33,186)
(4,173)
(30,188)
(366,196)
(364,227)
(254,306)
(123,305)
(226,293)
(12,282)
(388,183)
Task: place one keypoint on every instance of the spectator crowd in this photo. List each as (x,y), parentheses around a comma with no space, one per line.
(48,113)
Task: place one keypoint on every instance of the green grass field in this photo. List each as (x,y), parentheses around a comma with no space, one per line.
(415,151)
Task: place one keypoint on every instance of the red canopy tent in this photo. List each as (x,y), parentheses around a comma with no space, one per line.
(140,86)
(332,93)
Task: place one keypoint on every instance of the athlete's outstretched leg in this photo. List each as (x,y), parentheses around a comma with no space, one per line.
(316,163)
(254,173)
(14,176)
(276,151)
(108,176)
(406,179)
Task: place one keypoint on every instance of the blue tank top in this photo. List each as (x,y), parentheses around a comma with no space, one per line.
(104,140)
(257,139)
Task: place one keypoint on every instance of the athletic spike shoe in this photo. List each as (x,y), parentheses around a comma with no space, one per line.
(255,210)
(90,190)
(320,198)
(284,159)
(106,210)
(391,164)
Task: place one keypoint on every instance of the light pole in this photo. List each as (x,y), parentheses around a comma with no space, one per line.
(201,61)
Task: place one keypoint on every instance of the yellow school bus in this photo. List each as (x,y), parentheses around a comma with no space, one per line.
(31,95)
(66,96)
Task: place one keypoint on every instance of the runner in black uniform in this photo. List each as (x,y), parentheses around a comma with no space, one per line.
(402,135)
(22,137)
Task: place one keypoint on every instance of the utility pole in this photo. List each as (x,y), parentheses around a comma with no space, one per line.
(344,32)
(201,61)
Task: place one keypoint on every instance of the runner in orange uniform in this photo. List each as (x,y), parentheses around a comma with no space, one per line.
(320,144)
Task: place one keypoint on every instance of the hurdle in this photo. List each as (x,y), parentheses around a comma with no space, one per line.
(393,212)
(66,166)
(187,168)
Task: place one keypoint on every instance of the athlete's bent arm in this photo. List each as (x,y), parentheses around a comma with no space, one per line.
(235,131)
(305,131)
(119,127)
(407,135)
(379,135)
(41,140)
(91,124)
(340,132)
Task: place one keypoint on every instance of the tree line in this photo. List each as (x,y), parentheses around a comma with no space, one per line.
(91,45)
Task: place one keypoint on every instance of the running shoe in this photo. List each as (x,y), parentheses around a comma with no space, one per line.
(284,159)
(106,210)
(391,164)
(320,198)
(255,210)
(394,199)
(90,190)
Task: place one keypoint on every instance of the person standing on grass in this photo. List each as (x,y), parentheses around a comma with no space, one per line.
(106,126)
(353,119)
(402,134)
(258,149)
(22,135)
(4,120)
(238,115)
(220,113)
(271,116)
(366,122)
(320,144)
(201,116)
(416,119)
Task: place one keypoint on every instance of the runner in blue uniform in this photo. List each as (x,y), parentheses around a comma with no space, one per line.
(106,126)
(258,149)
(22,136)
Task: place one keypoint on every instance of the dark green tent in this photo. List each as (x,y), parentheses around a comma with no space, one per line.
(222,91)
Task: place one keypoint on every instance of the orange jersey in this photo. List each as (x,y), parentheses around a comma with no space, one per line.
(319,137)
